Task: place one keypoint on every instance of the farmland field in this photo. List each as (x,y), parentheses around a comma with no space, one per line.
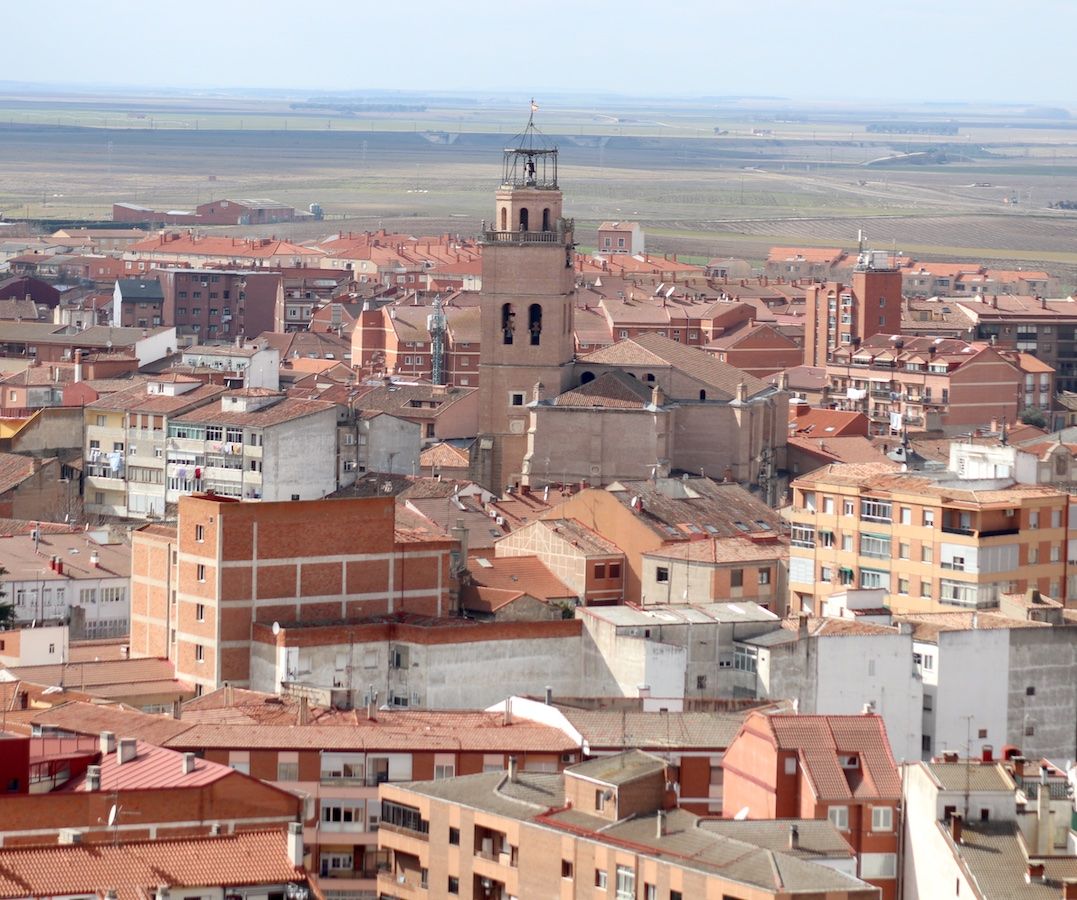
(707,178)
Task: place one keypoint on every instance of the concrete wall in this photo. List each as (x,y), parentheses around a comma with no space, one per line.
(299,457)
(392,444)
(47,432)
(1044,659)
(618,664)
(155,346)
(839,674)
(930,870)
(972,672)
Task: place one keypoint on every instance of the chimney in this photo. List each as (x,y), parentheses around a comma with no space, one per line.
(514,774)
(372,704)
(794,837)
(125,651)
(95,559)
(162,893)
(59,566)
(955,827)
(295,843)
(93,778)
(304,710)
(108,742)
(987,753)
(78,366)
(177,710)
(742,392)
(1034,872)
(660,824)
(549,695)
(802,625)
(188,763)
(126,750)
(1044,838)
(508,711)
(1018,767)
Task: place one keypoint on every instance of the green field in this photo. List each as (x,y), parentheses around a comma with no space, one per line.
(693,173)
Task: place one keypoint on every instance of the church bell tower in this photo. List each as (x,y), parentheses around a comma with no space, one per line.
(528,294)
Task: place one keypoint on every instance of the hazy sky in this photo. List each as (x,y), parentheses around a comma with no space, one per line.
(803,49)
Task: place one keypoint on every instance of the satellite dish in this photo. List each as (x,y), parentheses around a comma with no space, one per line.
(113,815)
(276,628)
(742,815)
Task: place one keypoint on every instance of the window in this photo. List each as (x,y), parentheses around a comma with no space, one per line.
(745,659)
(675,895)
(650,891)
(847,543)
(1034,519)
(201,572)
(882,818)
(790,765)
(701,682)
(661,574)
(848,508)
(600,570)
(736,578)
(454,884)
(200,612)
(929,704)
(872,578)
(875,510)
(875,545)
(600,800)
(926,553)
(516,398)
(903,551)
(454,837)
(199,653)
(903,585)
(1030,691)
(600,878)
(287,771)
(828,505)
(566,868)
(200,533)
(803,536)
(1033,555)
(839,817)
(626,883)
(929,518)
(764,576)
(878,865)
(826,538)
(615,570)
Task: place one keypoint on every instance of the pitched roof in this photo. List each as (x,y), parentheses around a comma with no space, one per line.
(623,729)
(611,390)
(620,768)
(152,768)
(820,740)
(443,456)
(14,470)
(135,289)
(91,718)
(135,869)
(285,410)
(655,350)
(520,574)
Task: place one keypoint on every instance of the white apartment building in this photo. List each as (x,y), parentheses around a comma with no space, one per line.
(254,365)
(254,444)
(124,450)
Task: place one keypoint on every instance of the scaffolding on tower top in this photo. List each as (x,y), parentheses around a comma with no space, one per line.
(532,160)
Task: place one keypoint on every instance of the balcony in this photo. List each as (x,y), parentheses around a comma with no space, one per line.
(965,532)
(389,827)
(530,237)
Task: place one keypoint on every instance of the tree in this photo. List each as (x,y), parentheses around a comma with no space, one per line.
(7,610)
(1033,415)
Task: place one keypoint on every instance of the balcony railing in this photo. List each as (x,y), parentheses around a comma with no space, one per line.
(523,237)
(999,532)
(407,832)
(967,532)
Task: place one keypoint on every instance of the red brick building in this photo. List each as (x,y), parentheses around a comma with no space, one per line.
(197,590)
(822,767)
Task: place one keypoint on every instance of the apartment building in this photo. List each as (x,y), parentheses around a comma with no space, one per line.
(998,678)
(239,365)
(837,313)
(137,303)
(604,828)
(838,768)
(199,589)
(934,384)
(126,435)
(50,573)
(981,828)
(930,543)
(254,443)
(334,760)
(208,305)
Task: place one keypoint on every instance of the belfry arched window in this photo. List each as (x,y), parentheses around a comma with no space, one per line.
(546,219)
(534,323)
(523,219)
(508,322)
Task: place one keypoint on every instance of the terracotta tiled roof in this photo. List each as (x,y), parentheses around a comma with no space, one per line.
(89,718)
(522,574)
(287,410)
(655,350)
(851,449)
(611,390)
(138,399)
(152,768)
(443,456)
(723,550)
(821,740)
(135,869)
(928,626)
(14,470)
(809,422)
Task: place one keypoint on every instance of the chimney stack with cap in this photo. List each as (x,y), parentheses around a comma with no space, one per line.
(108,742)
(189,763)
(514,774)
(794,837)
(93,778)
(295,843)
(956,827)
